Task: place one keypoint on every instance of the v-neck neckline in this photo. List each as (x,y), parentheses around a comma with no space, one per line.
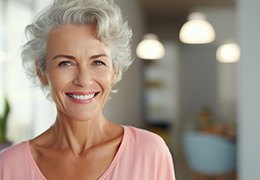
(106,172)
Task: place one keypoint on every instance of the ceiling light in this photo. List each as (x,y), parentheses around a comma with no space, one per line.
(150,48)
(197,30)
(228,53)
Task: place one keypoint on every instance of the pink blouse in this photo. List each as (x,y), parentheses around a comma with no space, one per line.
(142,155)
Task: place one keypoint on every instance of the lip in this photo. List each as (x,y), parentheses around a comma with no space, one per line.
(82,97)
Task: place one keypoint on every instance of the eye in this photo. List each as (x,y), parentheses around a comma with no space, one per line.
(66,64)
(98,63)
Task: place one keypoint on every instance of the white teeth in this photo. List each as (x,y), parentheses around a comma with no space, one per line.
(82,97)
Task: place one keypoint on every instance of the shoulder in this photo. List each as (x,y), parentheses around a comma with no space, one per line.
(16,163)
(13,153)
(148,150)
(147,145)
(144,138)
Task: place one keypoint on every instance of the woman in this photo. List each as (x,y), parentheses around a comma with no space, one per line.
(78,50)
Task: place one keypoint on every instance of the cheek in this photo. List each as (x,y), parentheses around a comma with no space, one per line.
(106,79)
(58,80)
(106,75)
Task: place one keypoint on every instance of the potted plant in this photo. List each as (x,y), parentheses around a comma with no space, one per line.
(3,125)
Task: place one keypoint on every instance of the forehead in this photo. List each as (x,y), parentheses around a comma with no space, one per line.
(74,38)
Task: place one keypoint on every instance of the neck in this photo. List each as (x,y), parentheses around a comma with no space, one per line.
(79,136)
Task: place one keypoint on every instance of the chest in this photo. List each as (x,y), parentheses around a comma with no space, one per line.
(64,166)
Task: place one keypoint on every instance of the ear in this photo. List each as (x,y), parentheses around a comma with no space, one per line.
(41,75)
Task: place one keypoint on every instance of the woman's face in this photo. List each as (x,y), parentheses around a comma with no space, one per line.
(79,71)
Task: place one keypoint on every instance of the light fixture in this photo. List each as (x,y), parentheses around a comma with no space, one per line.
(197,30)
(228,53)
(150,48)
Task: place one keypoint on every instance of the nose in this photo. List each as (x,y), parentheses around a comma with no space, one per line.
(83,77)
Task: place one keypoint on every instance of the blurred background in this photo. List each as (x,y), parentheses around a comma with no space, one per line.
(192,93)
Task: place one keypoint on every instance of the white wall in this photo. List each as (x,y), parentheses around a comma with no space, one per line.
(249,90)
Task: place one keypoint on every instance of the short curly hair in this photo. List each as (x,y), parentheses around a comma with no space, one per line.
(111,29)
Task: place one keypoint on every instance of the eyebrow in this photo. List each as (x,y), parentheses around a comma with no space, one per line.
(98,56)
(72,57)
(63,56)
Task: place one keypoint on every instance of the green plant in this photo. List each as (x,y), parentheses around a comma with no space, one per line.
(3,121)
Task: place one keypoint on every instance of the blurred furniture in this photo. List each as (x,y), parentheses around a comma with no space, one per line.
(209,156)
(221,129)
(207,124)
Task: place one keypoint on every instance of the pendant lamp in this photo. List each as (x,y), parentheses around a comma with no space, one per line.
(150,48)
(197,30)
(228,52)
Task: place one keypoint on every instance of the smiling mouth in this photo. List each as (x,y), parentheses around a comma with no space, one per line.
(82,97)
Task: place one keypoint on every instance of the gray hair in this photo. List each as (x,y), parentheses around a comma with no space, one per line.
(111,29)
